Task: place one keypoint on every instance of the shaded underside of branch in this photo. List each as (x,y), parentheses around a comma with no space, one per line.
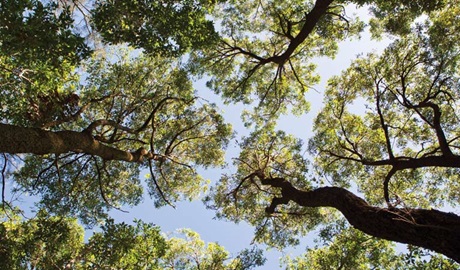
(17,140)
(430,229)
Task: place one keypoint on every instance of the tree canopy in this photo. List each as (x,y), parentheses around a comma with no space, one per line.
(98,103)
(46,242)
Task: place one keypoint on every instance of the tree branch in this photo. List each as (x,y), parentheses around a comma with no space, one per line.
(311,20)
(430,229)
(16,140)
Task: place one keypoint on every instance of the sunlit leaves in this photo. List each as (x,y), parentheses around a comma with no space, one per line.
(242,196)
(400,105)
(41,243)
(35,93)
(383,111)
(346,248)
(190,252)
(396,16)
(38,53)
(124,246)
(265,53)
(188,138)
(47,242)
(444,28)
(341,246)
(418,258)
(138,102)
(80,185)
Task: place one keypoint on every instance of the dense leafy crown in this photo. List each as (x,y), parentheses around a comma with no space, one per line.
(98,103)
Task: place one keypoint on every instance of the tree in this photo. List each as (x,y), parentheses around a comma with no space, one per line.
(46,242)
(404,138)
(41,243)
(81,120)
(119,110)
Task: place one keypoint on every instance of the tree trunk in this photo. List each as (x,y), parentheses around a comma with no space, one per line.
(17,140)
(430,229)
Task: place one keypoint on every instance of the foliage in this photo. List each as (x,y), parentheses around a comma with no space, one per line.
(46,242)
(266,49)
(123,246)
(182,25)
(418,258)
(38,54)
(242,196)
(39,31)
(131,106)
(402,91)
(192,253)
(343,247)
(346,248)
(396,17)
(115,80)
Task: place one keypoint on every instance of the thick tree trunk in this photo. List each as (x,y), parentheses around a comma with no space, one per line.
(16,140)
(430,229)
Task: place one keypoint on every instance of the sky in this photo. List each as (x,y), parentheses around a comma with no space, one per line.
(235,237)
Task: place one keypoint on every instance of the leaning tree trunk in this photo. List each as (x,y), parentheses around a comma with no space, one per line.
(430,229)
(16,140)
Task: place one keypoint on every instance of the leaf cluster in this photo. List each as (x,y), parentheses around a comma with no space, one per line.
(166,27)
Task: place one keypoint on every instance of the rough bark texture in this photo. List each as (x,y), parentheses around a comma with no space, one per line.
(16,140)
(430,229)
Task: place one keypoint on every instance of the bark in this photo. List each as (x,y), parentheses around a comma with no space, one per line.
(17,140)
(430,229)
(311,20)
